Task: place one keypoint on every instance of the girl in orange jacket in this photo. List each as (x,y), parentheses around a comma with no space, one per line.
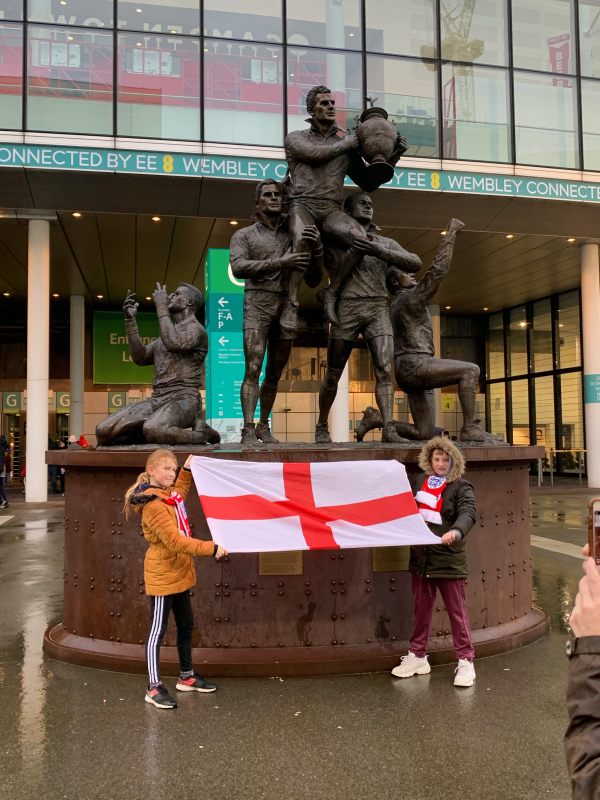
(169,572)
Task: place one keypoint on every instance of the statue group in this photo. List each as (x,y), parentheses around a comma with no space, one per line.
(304,229)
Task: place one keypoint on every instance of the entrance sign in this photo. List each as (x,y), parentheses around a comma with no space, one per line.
(144,162)
(112,360)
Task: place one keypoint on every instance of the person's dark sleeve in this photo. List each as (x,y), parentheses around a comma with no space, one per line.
(465,507)
(582,739)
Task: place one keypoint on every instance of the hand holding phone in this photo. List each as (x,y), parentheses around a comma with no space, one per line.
(594,529)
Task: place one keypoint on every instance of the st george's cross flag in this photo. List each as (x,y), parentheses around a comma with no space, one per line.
(255,507)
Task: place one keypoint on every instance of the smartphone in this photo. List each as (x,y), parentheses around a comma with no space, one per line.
(594,528)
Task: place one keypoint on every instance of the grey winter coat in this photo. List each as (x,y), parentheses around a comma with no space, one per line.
(458,513)
(582,740)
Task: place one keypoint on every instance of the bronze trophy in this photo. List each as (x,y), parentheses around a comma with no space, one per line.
(377,138)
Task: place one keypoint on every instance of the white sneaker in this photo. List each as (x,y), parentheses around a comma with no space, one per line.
(410,665)
(464,673)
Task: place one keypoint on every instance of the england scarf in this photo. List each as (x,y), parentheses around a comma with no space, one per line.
(429,499)
(183,522)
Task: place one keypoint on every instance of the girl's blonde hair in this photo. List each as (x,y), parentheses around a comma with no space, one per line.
(153,459)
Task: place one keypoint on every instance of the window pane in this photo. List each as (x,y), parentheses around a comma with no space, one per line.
(341,72)
(407,90)
(517,341)
(159,87)
(541,337)
(590,111)
(416,36)
(520,412)
(476,113)
(572,416)
(543,35)
(497,421)
(545,127)
(333,23)
(154,16)
(568,331)
(474,31)
(237,19)
(11,9)
(11,76)
(243,94)
(589,41)
(70,81)
(544,412)
(98,14)
(495,347)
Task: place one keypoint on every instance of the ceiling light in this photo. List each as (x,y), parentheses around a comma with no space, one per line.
(148,297)
(63,2)
(100,296)
(350,34)
(443,233)
(55,294)
(561,324)
(6,294)
(570,240)
(522,324)
(447,308)
(485,308)
(206,49)
(139,10)
(510,236)
(69,38)
(155,219)
(76,214)
(233,222)
(138,44)
(172,31)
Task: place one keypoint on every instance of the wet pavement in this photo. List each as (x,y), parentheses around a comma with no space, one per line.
(68,732)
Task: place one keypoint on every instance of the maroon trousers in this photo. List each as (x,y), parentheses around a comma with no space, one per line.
(453,594)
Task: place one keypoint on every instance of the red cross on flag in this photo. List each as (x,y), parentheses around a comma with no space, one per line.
(256,507)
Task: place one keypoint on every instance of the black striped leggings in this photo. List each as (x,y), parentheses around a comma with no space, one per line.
(160,606)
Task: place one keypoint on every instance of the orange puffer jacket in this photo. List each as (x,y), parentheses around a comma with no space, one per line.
(168,565)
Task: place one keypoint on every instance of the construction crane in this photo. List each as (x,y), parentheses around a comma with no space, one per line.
(458,91)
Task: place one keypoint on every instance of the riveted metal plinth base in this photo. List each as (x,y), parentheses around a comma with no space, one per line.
(313,612)
(288,661)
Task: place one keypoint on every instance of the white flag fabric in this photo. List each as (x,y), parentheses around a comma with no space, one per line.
(257,507)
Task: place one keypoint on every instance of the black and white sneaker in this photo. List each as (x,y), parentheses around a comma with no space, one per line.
(195,683)
(159,697)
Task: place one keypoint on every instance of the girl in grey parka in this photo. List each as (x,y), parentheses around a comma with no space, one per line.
(447,503)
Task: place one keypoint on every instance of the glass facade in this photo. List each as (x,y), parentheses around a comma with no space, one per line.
(539,401)
(512,81)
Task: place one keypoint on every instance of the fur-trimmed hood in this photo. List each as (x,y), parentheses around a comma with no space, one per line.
(457,461)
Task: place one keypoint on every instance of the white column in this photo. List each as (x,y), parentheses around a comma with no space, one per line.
(38,335)
(77,358)
(590,314)
(434,313)
(339,416)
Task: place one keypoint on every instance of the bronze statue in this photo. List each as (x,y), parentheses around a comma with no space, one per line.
(319,158)
(178,354)
(262,255)
(417,370)
(363,309)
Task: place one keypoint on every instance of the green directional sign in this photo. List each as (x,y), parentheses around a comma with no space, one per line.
(225,361)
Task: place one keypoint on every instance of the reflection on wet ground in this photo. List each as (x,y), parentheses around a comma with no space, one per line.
(69,732)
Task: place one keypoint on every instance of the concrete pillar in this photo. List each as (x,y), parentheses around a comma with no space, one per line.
(76,363)
(38,336)
(434,313)
(339,416)
(590,314)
